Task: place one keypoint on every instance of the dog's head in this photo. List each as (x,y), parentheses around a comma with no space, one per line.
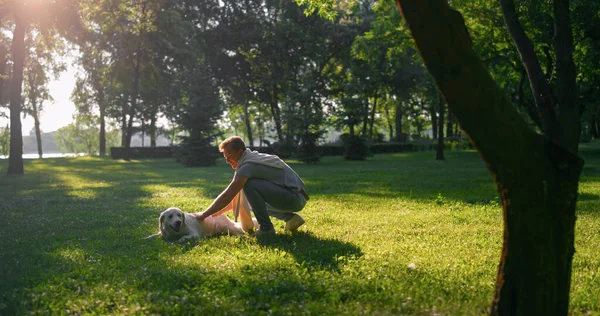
(171,221)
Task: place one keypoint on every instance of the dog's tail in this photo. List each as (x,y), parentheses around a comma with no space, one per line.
(153,236)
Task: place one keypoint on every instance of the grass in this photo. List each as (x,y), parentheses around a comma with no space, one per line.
(397,234)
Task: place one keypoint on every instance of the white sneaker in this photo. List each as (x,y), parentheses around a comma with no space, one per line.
(294,222)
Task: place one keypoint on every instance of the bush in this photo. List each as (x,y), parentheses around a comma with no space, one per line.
(586,134)
(309,152)
(282,150)
(196,150)
(355,147)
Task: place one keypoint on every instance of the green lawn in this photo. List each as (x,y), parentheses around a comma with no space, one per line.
(397,234)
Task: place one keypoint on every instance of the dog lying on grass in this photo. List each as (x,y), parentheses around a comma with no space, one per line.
(176,225)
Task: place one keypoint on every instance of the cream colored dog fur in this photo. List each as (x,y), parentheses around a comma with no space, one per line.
(176,225)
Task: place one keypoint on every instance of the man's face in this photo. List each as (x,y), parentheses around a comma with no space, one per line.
(232,156)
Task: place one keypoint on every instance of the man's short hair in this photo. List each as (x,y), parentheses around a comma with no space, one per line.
(233,142)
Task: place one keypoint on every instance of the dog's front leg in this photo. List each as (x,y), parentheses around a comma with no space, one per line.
(184,238)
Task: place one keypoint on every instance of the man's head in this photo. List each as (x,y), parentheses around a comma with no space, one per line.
(232,149)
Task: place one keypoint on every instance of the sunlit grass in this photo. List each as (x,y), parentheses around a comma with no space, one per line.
(397,234)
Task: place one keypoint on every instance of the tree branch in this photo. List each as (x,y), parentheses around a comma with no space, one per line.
(542,92)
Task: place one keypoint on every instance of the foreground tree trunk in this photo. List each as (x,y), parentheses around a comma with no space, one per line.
(537,179)
(15,159)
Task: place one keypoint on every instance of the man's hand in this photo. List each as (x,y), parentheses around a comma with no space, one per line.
(200,216)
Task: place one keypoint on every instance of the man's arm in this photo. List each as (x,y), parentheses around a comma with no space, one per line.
(223,200)
(227,208)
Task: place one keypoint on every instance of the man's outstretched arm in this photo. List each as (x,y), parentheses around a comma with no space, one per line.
(225,198)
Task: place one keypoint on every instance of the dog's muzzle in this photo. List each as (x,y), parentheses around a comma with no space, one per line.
(176,226)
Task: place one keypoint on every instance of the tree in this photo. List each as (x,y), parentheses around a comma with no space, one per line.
(536,174)
(39,68)
(91,90)
(15,159)
(47,17)
(81,136)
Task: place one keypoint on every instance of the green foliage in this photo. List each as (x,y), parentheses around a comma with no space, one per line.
(376,241)
(82,136)
(5,140)
(199,112)
(325,8)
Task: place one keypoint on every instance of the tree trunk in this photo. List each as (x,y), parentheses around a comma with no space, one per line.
(132,107)
(372,118)
(449,125)
(537,79)
(399,134)
(153,129)
(275,111)
(3,61)
(248,124)
(389,119)
(15,159)
(124,99)
(596,122)
(38,132)
(142,132)
(434,121)
(365,120)
(537,179)
(439,153)
(102,108)
(566,86)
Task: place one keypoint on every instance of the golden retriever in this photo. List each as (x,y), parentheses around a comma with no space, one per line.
(176,225)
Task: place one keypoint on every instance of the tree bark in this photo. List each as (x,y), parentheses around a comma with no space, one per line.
(536,178)
(15,159)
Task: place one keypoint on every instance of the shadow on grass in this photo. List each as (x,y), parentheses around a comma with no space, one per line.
(115,276)
(313,252)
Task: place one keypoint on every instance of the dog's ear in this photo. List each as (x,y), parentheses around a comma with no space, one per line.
(161,220)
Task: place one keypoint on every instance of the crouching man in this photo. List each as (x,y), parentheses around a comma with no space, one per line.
(271,187)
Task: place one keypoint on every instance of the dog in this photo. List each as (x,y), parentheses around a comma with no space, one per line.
(176,225)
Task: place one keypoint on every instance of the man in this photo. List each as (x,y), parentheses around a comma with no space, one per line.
(271,187)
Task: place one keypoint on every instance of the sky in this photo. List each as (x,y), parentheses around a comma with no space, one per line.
(58,113)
